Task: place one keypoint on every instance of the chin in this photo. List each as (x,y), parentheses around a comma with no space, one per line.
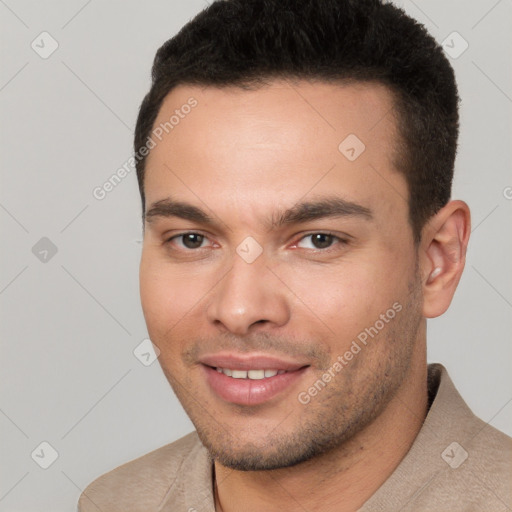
(269,453)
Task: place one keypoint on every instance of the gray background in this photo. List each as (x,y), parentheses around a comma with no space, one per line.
(70,323)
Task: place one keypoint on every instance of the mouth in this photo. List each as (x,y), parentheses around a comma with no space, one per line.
(250,380)
(250,374)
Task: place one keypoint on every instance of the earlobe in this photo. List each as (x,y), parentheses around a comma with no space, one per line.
(443,256)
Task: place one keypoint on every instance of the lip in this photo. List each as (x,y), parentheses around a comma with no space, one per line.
(250,392)
(250,362)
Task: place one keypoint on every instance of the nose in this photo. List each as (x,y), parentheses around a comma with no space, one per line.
(249,295)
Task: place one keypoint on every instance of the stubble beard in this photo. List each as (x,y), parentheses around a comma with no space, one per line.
(354,398)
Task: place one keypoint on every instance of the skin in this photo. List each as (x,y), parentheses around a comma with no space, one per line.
(242,157)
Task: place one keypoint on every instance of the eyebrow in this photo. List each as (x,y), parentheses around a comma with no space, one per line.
(328,207)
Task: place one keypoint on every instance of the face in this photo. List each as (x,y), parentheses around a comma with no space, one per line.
(273,256)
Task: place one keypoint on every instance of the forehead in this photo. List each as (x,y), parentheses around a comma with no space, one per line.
(277,143)
(278,113)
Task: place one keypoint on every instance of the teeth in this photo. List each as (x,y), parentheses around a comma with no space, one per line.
(250,374)
(256,374)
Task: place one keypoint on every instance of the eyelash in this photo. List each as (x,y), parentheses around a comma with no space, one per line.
(341,241)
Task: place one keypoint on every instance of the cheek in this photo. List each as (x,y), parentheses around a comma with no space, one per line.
(164,297)
(173,298)
(344,299)
(164,304)
(329,301)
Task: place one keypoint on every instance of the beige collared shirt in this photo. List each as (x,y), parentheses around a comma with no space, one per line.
(456,463)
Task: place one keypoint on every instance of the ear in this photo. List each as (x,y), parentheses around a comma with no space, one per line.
(442,256)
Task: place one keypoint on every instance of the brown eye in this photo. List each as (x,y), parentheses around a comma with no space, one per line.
(188,240)
(318,241)
(321,240)
(192,240)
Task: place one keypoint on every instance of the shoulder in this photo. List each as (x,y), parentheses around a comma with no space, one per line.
(486,448)
(474,467)
(475,473)
(489,458)
(143,483)
(457,461)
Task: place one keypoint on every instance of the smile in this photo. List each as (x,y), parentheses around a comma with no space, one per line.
(250,374)
(251,387)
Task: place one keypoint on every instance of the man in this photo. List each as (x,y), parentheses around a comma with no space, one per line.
(295,160)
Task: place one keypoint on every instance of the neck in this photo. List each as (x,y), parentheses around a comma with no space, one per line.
(343,479)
